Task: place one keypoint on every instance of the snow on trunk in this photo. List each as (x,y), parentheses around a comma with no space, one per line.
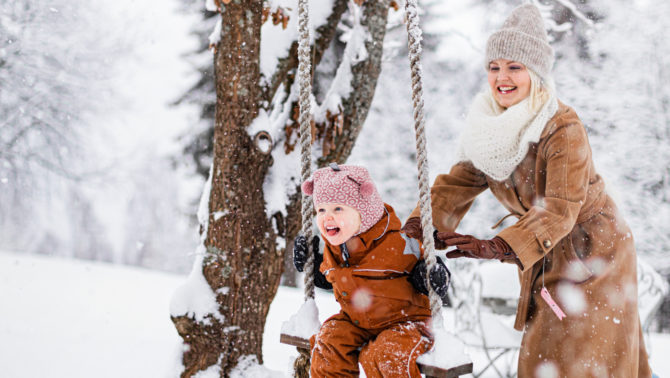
(195,297)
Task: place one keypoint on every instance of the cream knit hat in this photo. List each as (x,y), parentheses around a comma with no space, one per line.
(522,38)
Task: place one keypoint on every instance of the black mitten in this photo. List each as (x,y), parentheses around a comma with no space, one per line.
(320,280)
(418,277)
(439,278)
(300,252)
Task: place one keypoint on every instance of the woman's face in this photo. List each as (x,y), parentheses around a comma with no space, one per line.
(337,222)
(509,81)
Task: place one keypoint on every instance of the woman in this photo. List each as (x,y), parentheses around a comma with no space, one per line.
(532,152)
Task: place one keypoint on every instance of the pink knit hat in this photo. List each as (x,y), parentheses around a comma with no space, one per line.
(348,185)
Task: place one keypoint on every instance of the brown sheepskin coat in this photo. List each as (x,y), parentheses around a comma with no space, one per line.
(570,238)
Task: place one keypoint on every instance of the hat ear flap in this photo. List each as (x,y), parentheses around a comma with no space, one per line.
(307,187)
(367,189)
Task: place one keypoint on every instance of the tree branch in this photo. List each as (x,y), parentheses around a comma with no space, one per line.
(325,34)
(363,83)
(573,8)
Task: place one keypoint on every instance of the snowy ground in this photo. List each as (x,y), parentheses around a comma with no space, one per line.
(67,318)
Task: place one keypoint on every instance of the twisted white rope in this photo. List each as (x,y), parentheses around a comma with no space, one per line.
(305,83)
(414,43)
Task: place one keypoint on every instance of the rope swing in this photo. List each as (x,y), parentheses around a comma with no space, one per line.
(414,44)
(302,363)
(305,120)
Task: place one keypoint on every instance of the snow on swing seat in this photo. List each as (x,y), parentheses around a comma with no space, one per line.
(446,359)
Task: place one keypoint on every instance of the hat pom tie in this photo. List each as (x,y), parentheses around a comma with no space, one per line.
(307,187)
(367,189)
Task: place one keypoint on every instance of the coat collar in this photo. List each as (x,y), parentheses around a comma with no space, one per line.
(388,222)
(564,115)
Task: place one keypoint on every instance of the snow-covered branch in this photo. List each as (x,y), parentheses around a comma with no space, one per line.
(573,8)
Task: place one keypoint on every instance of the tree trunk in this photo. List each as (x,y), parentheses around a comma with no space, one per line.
(243,264)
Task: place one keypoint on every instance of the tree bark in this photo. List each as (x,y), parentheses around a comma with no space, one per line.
(243,265)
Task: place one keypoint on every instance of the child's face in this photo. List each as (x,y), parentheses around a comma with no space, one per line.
(337,222)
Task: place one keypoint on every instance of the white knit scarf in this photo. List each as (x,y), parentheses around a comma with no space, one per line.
(496,143)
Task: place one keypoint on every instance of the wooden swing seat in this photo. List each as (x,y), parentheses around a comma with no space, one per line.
(428,370)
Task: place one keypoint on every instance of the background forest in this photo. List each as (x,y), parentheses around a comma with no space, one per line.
(107,115)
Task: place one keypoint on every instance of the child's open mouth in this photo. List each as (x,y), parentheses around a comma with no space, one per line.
(332,231)
(506,89)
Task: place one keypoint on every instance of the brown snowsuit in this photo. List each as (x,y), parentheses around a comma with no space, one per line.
(382,322)
(570,229)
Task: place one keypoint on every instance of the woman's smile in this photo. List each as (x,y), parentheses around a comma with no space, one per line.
(506,89)
(509,81)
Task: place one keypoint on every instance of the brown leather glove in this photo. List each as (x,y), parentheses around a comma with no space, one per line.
(413,229)
(469,246)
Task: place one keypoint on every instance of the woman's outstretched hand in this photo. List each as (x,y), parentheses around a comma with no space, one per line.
(469,246)
(413,229)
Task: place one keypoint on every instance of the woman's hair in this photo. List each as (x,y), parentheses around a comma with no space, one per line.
(541,90)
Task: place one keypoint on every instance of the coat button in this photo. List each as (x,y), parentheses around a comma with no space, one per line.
(356,322)
(547,243)
(344,293)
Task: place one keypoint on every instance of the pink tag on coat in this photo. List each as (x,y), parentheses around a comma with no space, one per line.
(552,304)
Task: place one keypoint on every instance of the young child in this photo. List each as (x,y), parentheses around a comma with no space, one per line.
(383,320)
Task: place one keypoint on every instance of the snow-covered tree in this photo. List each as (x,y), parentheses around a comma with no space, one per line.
(82,89)
(251,205)
(49,84)
(199,139)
